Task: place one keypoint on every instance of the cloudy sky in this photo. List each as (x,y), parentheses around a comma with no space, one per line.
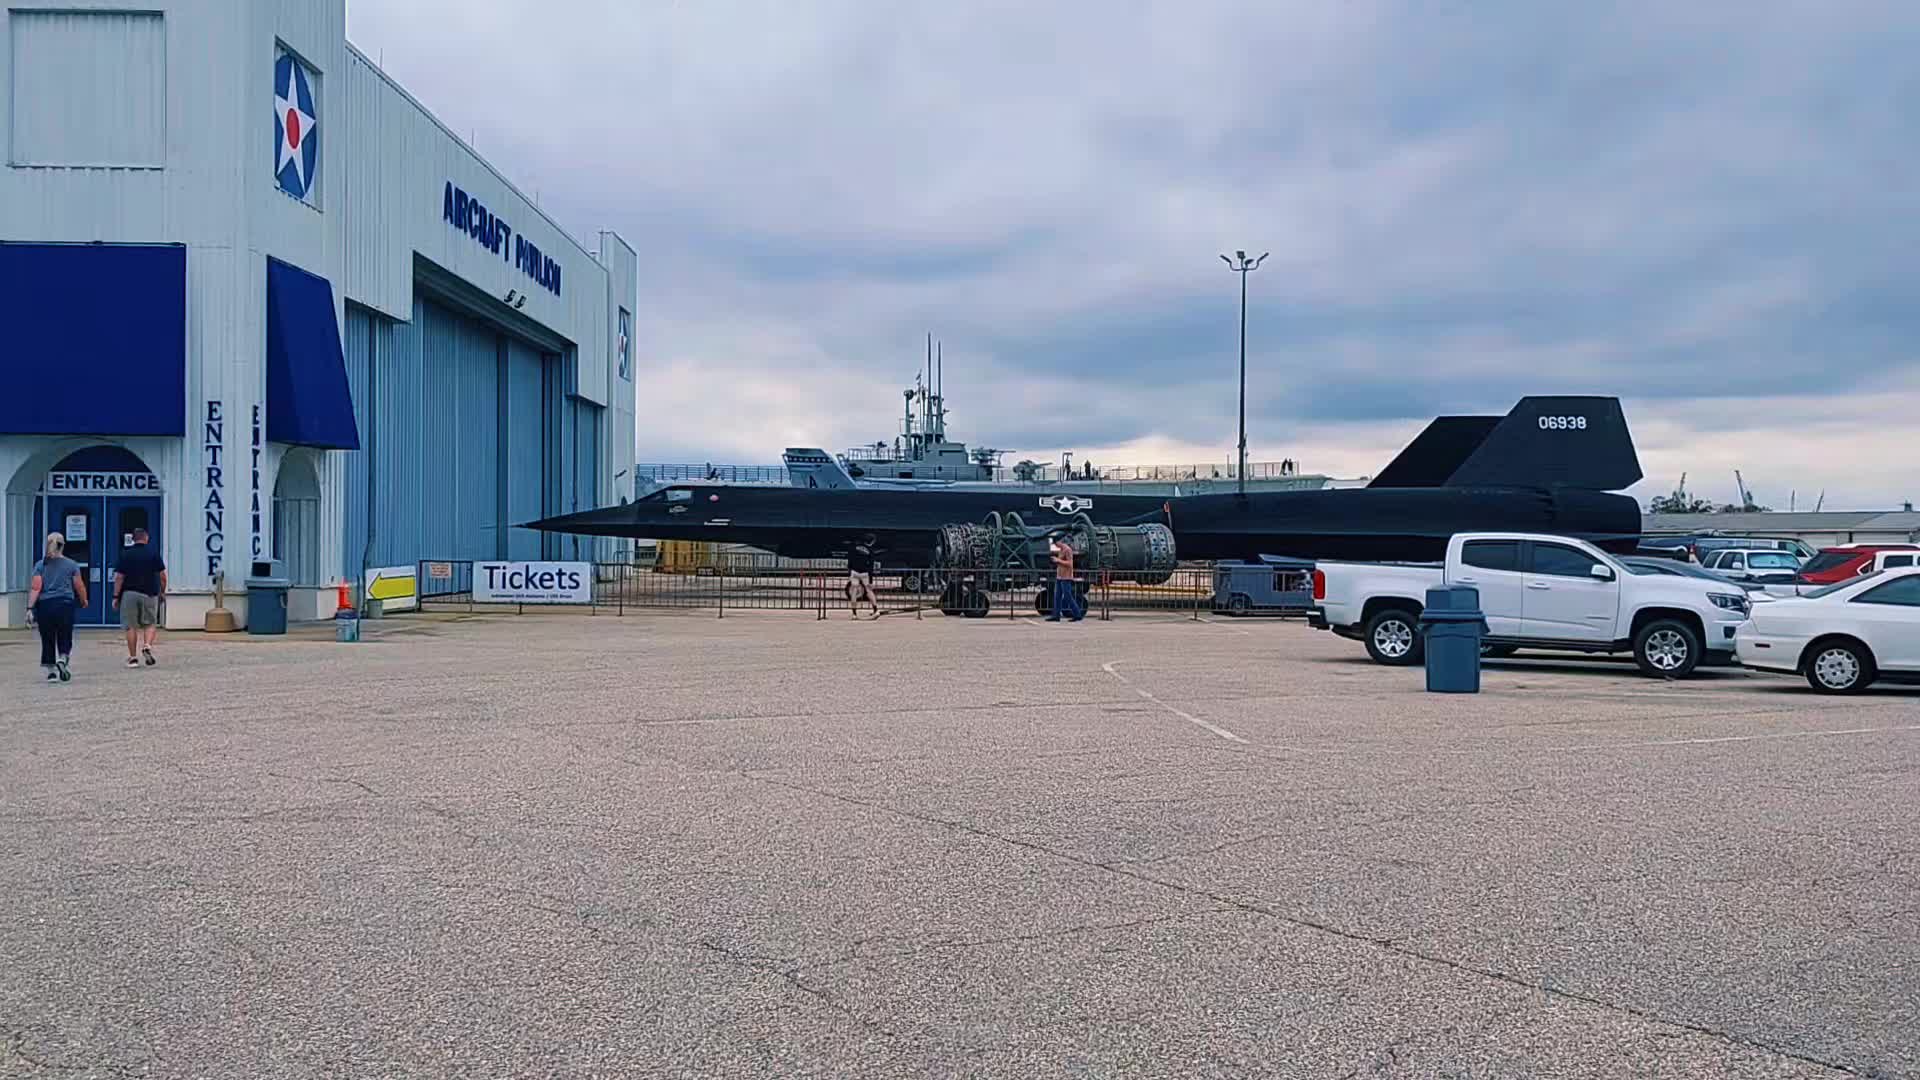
(1708,209)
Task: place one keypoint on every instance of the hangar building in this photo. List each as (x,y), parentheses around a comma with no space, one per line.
(256,298)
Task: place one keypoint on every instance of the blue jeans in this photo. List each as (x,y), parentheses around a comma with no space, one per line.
(1066,600)
(54,616)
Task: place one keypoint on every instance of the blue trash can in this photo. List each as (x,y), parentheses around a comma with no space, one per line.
(267,598)
(1453,626)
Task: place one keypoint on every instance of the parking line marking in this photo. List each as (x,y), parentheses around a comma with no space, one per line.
(1108,667)
(1743,738)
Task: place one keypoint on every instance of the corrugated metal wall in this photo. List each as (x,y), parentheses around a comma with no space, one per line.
(460,435)
(363,329)
(470,464)
(586,468)
(97,81)
(526,434)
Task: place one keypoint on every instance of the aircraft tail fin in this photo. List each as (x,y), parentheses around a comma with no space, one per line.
(1437,452)
(1555,442)
(811,468)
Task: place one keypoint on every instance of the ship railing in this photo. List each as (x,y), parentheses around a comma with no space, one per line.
(694,473)
(1054,474)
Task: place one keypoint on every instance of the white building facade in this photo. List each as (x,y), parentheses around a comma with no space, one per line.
(256,299)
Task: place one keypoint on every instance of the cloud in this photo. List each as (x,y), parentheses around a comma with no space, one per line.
(1702,209)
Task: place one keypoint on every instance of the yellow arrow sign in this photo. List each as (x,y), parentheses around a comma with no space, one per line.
(397,587)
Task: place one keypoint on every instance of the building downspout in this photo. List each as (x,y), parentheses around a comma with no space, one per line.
(373,426)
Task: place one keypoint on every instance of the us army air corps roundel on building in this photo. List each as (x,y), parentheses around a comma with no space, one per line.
(296,128)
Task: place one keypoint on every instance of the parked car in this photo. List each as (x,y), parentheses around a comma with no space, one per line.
(1895,560)
(1762,566)
(1842,637)
(1698,546)
(1644,564)
(1836,564)
(1545,592)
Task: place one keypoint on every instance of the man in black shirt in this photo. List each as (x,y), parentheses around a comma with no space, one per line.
(139,583)
(860,576)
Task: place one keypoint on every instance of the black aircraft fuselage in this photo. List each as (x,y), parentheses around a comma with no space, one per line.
(1411,524)
(1391,524)
(804,523)
(1549,466)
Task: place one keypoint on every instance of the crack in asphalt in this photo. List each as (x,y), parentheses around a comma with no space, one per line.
(14,1046)
(1009,939)
(792,978)
(885,713)
(1385,944)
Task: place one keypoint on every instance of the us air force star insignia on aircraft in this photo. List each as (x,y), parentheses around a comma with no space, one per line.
(1067,504)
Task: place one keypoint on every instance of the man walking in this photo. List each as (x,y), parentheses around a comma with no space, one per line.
(139,584)
(860,576)
(1065,597)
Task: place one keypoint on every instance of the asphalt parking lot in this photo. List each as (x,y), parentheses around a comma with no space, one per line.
(562,845)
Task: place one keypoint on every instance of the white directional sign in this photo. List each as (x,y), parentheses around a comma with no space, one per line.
(533,582)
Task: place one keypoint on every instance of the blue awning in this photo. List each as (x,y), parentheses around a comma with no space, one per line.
(308,400)
(107,324)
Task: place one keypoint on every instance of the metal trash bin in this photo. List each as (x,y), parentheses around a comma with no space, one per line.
(1453,626)
(267,598)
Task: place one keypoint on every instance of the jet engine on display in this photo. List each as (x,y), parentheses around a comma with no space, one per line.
(1008,549)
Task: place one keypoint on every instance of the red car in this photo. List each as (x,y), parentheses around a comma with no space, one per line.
(1836,564)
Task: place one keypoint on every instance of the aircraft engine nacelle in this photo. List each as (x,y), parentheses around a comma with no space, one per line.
(1005,543)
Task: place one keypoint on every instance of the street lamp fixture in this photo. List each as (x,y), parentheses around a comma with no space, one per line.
(1243,266)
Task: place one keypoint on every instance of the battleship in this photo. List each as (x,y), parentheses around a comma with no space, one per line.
(922,457)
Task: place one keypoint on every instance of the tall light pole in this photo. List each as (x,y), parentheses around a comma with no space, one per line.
(1243,266)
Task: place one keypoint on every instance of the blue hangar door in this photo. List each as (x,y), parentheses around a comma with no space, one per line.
(96,498)
(460,442)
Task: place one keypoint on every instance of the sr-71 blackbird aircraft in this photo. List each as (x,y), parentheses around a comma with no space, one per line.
(1549,466)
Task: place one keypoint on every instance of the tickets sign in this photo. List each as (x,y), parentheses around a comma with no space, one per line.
(533,583)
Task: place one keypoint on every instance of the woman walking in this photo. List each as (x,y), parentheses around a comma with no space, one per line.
(58,592)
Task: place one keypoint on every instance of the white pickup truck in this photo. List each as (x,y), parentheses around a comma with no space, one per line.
(1537,592)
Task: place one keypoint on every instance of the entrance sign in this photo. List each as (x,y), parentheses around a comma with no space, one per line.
(533,582)
(213,443)
(112,483)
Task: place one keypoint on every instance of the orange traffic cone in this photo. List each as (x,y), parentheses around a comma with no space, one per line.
(346,597)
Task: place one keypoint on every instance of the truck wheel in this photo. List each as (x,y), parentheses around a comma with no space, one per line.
(1239,605)
(1667,649)
(1839,667)
(1393,638)
(1043,601)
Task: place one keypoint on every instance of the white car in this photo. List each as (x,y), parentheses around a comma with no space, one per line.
(1754,565)
(1842,637)
(1892,560)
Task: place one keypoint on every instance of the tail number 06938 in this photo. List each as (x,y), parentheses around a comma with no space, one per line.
(1563,423)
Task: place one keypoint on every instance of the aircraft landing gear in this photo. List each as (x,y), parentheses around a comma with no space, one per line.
(962,598)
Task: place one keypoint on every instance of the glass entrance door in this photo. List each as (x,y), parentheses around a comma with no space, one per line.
(125,515)
(80,520)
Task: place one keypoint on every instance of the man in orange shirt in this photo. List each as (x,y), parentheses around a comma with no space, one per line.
(1065,597)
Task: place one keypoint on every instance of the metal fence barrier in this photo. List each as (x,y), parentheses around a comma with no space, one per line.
(825,590)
